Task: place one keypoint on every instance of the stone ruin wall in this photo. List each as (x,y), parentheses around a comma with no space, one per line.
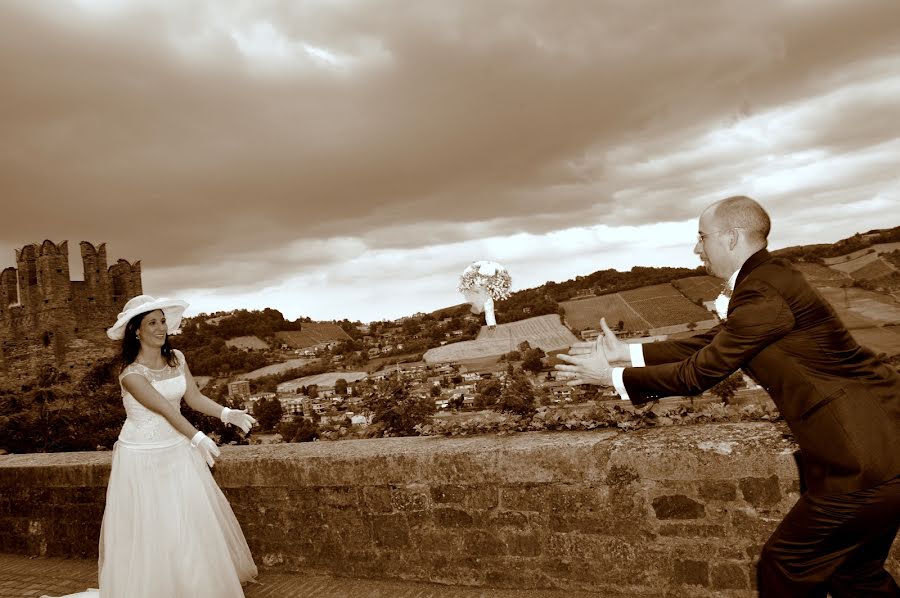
(48,320)
(677,511)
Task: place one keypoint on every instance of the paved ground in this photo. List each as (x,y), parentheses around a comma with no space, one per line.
(24,577)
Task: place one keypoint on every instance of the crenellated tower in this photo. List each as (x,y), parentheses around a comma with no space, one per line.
(46,319)
(125,280)
(53,275)
(26,265)
(9,289)
(96,274)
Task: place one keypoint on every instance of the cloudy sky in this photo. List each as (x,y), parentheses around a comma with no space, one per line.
(344,158)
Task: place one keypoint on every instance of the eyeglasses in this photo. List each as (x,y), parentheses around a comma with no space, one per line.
(702,236)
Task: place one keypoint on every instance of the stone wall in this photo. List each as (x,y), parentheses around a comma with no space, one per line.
(677,511)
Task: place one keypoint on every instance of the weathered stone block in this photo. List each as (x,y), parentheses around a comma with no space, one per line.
(512,519)
(518,544)
(409,499)
(729,576)
(732,553)
(564,570)
(749,524)
(338,496)
(621,476)
(353,534)
(694,549)
(578,498)
(524,498)
(465,571)
(390,531)
(441,541)
(590,547)
(564,523)
(449,517)
(481,543)
(689,530)
(761,492)
(482,497)
(419,519)
(512,575)
(445,493)
(691,573)
(717,490)
(378,499)
(678,506)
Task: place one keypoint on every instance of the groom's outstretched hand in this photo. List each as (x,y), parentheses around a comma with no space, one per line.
(589,368)
(615,350)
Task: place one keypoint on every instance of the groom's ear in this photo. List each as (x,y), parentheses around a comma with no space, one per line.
(733,239)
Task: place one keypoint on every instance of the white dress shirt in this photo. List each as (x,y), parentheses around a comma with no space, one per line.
(637,349)
(725,296)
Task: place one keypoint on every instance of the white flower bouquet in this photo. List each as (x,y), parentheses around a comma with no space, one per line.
(482,283)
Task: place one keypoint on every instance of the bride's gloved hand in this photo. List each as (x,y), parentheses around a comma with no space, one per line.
(208,449)
(237,417)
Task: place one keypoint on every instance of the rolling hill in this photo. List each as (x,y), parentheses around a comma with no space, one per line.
(312,333)
(247,342)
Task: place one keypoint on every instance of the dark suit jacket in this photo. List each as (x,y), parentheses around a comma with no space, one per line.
(841,403)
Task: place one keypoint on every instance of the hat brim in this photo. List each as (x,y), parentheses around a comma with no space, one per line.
(173,309)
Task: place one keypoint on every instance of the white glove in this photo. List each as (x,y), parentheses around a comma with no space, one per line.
(208,449)
(237,417)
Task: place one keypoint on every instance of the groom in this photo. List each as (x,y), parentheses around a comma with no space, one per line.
(841,403)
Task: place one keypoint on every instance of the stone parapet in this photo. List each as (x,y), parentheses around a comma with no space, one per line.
(675,511)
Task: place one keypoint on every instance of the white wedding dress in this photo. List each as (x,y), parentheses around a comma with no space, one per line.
(167,531)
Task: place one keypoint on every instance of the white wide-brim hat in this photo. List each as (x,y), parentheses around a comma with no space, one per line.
(173,309)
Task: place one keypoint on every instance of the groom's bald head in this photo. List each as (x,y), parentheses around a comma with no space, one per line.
(743,213)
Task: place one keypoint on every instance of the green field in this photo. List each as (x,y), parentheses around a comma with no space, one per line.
(247,342)
(328,379)
(822,275)
(671,310)
(645,308)
(873,270)
(586,313)
(859,308)
(376,363)
(656,292)
(312,334)
(545,332)
(704,288)
(855,263)
(277,368)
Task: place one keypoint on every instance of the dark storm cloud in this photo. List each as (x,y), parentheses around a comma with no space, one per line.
(154,127)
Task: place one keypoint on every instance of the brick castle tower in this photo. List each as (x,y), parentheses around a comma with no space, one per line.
(48,320)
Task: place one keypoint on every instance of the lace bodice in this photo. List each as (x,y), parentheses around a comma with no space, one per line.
(143,426)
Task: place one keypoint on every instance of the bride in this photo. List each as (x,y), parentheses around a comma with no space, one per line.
(167,531)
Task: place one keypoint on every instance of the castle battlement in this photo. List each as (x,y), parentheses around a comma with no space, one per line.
(47,319)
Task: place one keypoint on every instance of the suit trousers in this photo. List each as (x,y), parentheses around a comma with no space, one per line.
(834,544)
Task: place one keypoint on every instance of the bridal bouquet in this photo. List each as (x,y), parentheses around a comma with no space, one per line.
(482,283)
